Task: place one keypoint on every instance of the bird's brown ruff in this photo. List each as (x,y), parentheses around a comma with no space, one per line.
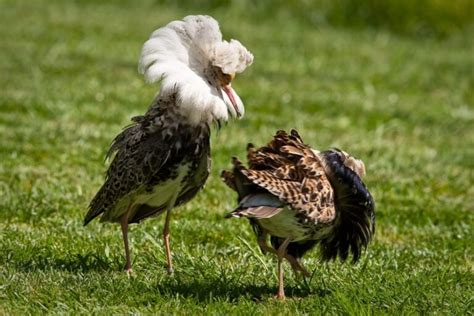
(325,201)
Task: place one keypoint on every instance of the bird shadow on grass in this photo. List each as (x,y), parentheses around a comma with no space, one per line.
(218,288)
(201,289)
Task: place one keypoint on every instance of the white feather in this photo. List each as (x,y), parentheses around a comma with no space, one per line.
(180,54)
(231,57)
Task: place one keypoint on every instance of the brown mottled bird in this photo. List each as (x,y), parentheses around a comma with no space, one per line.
(162,160)
(302,198)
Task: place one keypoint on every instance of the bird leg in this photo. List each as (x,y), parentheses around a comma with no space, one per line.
(166,238)
(281,254)
(124,225)
(295,264)
(262,243)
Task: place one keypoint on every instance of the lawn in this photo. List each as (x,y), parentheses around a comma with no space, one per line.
(402,101)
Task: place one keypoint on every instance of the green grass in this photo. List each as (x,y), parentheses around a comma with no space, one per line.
(404,104)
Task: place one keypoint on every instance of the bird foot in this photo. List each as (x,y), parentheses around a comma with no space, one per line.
(129,272)
(280,296)
(170,271)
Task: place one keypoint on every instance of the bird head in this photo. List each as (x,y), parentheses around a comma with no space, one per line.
(190,58)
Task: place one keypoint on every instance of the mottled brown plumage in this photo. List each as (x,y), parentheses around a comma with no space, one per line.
(302,198)
(148,154)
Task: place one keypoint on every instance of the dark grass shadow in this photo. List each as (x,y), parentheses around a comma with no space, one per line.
(70,262)
(205,290)
(217,288)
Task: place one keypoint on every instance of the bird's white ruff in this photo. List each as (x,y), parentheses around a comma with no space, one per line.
(181,54)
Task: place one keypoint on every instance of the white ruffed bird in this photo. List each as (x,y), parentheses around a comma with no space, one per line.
(163,159)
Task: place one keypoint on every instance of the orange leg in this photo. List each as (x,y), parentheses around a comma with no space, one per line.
(295,264)
(166,238)
(281,254)
(124,225)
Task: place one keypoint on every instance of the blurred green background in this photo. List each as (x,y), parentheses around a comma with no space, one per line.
(389,81)
(438,18)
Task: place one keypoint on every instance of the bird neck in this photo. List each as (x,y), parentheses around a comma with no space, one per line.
(195,100)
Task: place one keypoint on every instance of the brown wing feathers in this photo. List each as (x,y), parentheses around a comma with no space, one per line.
(314,184)
(288,169)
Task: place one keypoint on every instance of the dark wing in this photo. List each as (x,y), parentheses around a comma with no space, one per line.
(356,208)
(140,151)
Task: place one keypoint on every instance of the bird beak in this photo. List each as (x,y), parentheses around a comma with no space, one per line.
(230,93)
